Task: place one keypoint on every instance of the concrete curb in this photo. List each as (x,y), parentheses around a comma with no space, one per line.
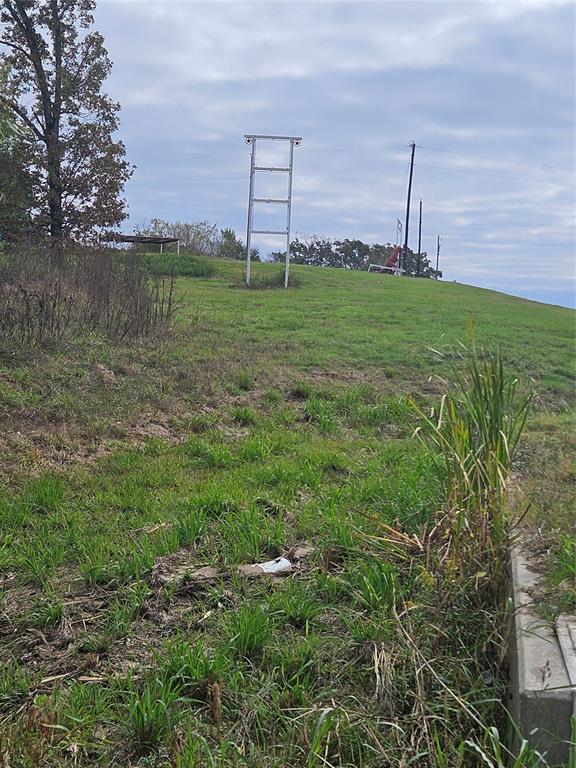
(542,698)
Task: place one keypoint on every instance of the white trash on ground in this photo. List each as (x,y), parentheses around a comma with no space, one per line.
(279,565)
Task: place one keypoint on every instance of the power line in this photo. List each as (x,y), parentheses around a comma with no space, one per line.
(352,171)
(308,150)
(365,148)
(200,153)
(497,159)
(493,175)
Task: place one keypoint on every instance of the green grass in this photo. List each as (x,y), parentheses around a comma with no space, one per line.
(181,265)
(267,420)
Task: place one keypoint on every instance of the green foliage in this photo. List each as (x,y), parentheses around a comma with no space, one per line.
(14,682)
(95,564)
(476,431)
(38,559)
(316,251)
(124,608)
(322,413)
(56,67)
(16,194)
(15,178)
(560,576)
(494,753)
(301,390)
(198,237)
(270,280)
(297,605)
(230,246)
(244,415)
(564,560)
(250,536)
(190,526)
(372,584)
(209,454)
(273,396)
(46,612)
(191,669)
(137,562)
(44,495)
(182,265)
(149,714)
(243,380)
(249,630)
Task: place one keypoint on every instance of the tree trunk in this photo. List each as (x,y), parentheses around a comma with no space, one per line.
(55,199)
(53,144)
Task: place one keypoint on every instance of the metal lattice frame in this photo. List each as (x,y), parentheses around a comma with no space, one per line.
(294,142)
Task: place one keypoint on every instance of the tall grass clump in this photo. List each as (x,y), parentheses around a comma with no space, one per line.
(248,631)
(455,560)
(148,714)
(473,436)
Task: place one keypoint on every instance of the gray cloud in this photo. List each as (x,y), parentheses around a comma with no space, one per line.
(486,89)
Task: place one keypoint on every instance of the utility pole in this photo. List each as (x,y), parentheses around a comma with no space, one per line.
(405,260)
(398,232)
(437,254)
(419,241)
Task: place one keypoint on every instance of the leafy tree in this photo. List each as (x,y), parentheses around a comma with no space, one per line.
(56,69)
(231,247)
(313,251)
(16,196)
(8,127)
(354,254)
(349,254)
(198,236)
(15,181)
(426,268)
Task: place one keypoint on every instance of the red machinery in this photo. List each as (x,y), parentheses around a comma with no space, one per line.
(392,265)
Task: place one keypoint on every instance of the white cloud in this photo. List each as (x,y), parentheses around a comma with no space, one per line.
(235,41)
(359,80)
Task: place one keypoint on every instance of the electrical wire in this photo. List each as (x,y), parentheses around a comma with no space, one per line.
(354,171)
(493,175)
(365,148)
(496,159)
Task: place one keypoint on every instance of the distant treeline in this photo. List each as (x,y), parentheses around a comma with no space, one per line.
(350,254)
(206,239)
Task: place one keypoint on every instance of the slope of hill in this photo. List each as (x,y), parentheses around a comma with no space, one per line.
(139,478)
(337,326)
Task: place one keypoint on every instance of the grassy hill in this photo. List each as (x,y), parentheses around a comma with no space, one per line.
(268,423)
(336,327)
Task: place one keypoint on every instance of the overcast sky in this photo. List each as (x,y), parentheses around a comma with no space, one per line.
(485,89)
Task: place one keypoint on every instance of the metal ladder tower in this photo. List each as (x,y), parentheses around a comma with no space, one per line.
(294,142)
